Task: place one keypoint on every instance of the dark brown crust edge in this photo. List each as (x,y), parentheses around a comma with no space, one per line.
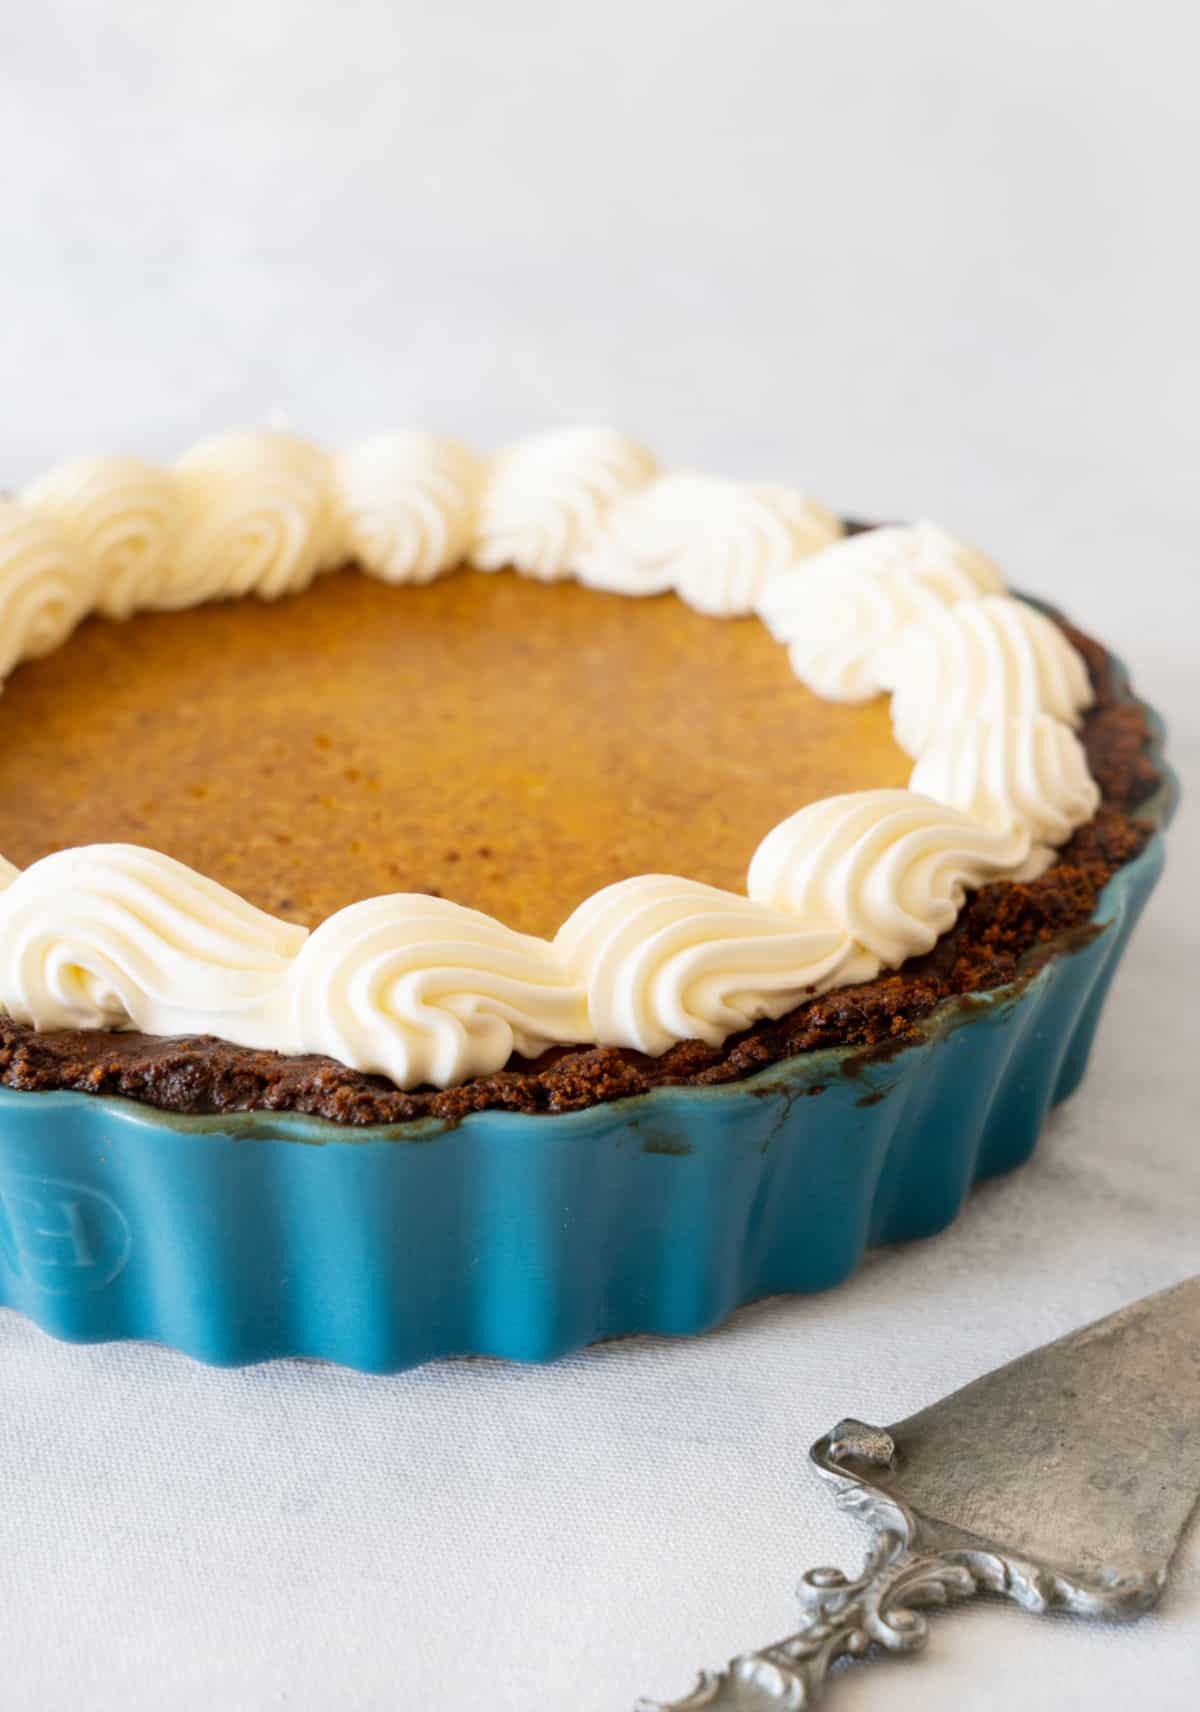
(999,927)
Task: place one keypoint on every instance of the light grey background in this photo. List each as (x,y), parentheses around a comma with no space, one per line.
(935,259)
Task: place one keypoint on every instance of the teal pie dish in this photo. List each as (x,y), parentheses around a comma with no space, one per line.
(241,1238)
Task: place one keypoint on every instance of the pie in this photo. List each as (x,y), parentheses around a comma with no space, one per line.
(404,782)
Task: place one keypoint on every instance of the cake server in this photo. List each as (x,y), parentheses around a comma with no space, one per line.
(1062,1481)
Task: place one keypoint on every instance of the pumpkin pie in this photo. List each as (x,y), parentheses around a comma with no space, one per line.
(408,782)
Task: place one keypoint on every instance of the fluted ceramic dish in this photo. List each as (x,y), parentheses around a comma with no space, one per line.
(249,1236)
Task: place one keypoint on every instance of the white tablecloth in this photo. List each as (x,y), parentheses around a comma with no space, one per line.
(936,260)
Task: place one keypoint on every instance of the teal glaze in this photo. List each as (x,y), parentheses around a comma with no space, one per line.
(251,1236)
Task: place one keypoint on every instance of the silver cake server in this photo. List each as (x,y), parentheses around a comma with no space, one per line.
(1063,1481)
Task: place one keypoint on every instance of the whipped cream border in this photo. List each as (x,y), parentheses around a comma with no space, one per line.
(985,695)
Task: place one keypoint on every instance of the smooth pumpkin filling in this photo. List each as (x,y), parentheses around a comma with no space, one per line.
(508,744)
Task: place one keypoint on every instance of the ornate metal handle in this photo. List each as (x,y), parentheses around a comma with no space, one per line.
(913,1563)
(840,1618)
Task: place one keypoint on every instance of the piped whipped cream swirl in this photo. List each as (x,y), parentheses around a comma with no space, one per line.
(424,991)
(545,500)
(991,658)
(258,518)
(716,543)
(887,869)
(1027,774)
(859,594)
(113,936)
(124,516)
(46,584)
(408,504)
(664,959)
